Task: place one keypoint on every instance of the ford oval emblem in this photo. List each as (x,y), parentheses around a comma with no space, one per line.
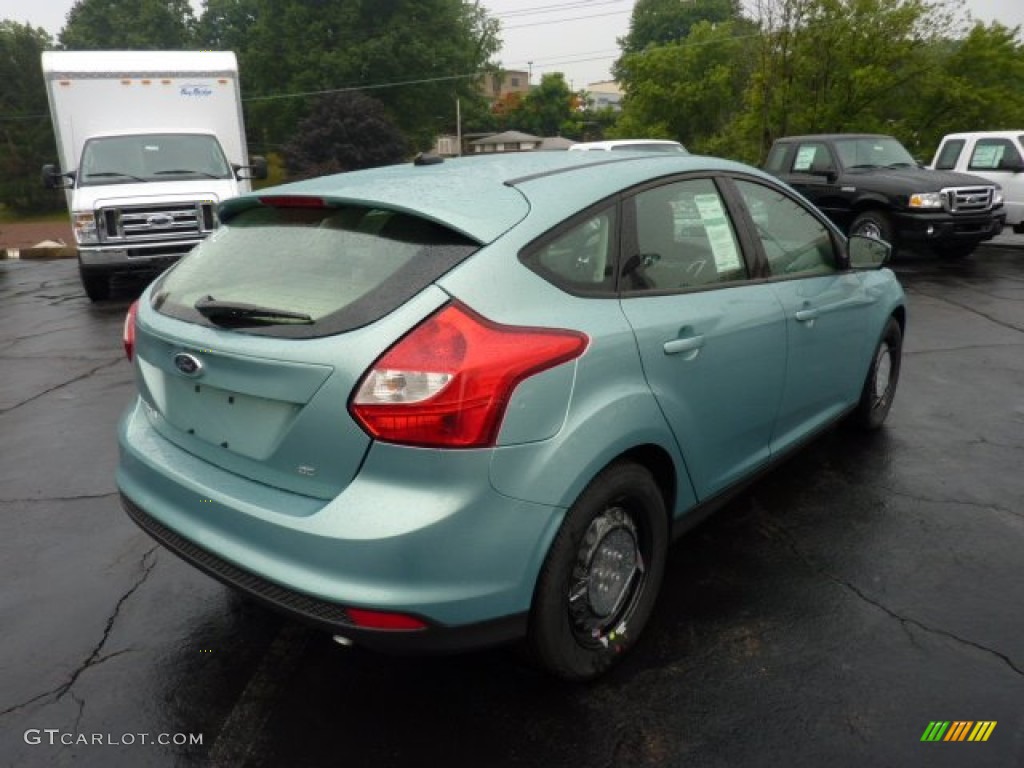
(188,364)
(157,220)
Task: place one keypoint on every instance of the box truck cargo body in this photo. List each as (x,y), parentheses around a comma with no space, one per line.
(149,143)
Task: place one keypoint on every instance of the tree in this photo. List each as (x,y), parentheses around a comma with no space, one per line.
(26,134)
(145,25)
(973,85)
(688,90)
(548,109)
(659,22)
(414,56)
(345,132)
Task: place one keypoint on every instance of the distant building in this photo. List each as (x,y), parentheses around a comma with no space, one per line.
(497,86)
(509,141)
(605,94)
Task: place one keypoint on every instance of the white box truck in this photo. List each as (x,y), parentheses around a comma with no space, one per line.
(149,142)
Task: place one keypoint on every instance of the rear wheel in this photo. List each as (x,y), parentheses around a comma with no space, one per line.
(601,577)
(880,385)
(97,286)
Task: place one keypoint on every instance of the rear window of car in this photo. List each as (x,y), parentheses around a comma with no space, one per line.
(324,270)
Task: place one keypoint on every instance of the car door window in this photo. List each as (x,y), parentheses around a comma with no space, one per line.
(813,157)
(989,154)
(795,242)
(685,239)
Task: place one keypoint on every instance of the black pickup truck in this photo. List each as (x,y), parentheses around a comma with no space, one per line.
(868,184)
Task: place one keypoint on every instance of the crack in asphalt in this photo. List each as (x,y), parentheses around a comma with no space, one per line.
(968,308)
(960,502)
(905,621)
(94,659)
(78,497)
(964,348)
(86,375)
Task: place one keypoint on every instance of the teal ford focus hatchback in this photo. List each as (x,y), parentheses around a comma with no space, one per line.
(451,404)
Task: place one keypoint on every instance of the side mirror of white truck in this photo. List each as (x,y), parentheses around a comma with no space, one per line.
(257,168)
(54,179)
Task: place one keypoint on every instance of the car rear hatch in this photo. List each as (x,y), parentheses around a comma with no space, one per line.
(248,351)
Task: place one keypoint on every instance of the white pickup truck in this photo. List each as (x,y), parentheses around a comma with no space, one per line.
(994,155)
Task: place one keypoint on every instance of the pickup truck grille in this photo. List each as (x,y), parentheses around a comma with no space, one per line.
(967,199)
(156,223)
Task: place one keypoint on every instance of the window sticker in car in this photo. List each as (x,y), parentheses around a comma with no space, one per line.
(719,233)
(804,158)
(987,156)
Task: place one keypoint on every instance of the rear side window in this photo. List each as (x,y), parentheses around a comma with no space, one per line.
(338,267)
(948,155)
(581,258)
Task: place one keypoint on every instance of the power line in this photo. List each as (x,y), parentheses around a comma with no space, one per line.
(540,9)
(561,21)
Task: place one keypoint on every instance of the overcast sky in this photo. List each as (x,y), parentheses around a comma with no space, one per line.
(576,37)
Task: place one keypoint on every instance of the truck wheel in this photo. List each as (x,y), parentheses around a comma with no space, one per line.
(97,287)
(601,576)
(874,224)
(883,376)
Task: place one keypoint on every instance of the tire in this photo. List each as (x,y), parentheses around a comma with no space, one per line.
(97,286)
(600,579)
(873,223)
(884,374)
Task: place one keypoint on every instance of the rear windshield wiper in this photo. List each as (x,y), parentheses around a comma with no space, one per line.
(238,313)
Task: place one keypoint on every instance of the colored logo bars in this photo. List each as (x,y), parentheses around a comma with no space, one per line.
(958,730)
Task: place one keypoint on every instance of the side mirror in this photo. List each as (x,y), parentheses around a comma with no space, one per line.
(257,168)
(868,253)
(54,179)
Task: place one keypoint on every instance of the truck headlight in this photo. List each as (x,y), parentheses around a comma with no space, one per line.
(926,200)
(997,197)
(84,226)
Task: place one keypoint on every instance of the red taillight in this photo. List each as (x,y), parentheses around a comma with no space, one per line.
(447,383)
(380,620)
(128,334)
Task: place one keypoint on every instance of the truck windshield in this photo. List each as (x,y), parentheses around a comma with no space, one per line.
(152,157)
(873,152)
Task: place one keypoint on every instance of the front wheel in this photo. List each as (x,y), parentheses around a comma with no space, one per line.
(874,224)
(601,576)
(880,385)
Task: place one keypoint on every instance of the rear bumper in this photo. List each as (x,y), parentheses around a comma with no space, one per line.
(453,553)
(930,227)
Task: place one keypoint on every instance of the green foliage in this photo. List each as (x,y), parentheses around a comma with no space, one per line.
(145,25)
(346,132)
(414,56)
(688,90)
(26,135)
(660,22)
(973,85)
(547,110)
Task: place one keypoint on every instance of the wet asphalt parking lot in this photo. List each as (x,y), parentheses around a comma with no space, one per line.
(861,591)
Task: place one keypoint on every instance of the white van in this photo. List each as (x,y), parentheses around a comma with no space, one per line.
(997,156)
